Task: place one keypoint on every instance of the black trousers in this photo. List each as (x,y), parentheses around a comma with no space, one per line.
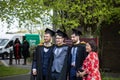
(44,77)
(55,75)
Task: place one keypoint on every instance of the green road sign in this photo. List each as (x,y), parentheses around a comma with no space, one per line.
(33,39)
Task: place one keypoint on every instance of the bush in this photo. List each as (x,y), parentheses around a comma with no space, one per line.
(31,49)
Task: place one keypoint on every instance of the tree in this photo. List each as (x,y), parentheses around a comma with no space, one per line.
(84,13)
(67,14)
(26,12)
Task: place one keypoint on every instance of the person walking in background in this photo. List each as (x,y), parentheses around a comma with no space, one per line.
(90,65)
(42,57)
(60,58)
(77,55)
(25,51)
(17,50)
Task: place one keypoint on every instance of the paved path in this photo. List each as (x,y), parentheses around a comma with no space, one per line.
(17,77)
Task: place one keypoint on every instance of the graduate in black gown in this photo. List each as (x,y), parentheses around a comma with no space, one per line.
(60,58)
(25,51)
(77,55)
(42,55)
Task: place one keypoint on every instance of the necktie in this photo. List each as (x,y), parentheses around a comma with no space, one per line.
(74,49)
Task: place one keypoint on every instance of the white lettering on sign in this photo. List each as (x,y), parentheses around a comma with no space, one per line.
(32,42)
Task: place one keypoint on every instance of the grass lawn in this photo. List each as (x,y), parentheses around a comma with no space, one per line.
(9,71)
(111,79)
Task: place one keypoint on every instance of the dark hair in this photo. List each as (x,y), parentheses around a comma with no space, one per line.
(77,32)
(93,45)
(17,41)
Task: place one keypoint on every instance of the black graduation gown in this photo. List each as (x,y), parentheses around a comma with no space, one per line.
(25,49)
(80,56)
(37,57)
(64,71)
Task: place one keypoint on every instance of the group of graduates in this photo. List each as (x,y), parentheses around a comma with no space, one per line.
(60,61)
(21,50)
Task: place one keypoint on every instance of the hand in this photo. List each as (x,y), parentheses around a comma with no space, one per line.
(81,74)
(34,71)
(77,74)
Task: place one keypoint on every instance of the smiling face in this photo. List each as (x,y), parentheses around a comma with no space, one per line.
(88,47)
(47,38)
(59,40)
(74,38)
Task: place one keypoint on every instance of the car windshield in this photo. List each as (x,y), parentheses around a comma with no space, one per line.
(3,41)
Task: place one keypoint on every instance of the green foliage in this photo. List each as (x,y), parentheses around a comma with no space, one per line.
(84,13)
(23,10)
(66,13)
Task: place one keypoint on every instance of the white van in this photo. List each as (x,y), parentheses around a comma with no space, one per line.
(6,43)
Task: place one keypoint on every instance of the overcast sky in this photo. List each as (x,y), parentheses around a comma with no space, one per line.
(4,27)
(14,27)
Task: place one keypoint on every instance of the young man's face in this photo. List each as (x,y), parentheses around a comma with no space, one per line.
(59,39)
(74,38)
(47,37)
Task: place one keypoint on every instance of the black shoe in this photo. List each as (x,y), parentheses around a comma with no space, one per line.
(24,64)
